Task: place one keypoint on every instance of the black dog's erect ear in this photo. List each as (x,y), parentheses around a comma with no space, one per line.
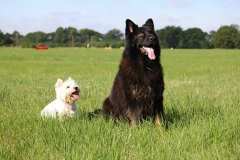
(130,26)
(149,23)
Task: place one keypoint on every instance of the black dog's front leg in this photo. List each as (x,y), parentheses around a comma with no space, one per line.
(134,115)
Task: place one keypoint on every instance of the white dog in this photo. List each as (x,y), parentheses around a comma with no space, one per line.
(64,105)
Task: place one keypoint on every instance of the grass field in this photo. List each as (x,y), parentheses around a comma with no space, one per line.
(202,103)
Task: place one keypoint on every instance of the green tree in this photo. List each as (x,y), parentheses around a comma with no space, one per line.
(227,37)
(16,37)
(72,33)
(169,36)
(113,35)
(40,37)
(50,36)
(60,37)
(1,38)
(33,39)
(209,38)
(210,35)
(29,40)
(8,40)
(193,38)
(89,36)
(49,39)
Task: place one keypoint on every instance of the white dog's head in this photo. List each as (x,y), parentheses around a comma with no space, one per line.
(68,91)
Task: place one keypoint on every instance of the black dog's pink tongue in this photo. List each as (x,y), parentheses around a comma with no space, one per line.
(150,52)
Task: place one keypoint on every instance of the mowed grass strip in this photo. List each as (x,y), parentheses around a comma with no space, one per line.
(201,101)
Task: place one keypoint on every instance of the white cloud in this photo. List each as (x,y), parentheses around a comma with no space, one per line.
(177,3)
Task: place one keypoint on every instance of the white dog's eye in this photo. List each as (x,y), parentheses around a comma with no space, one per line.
(67,86)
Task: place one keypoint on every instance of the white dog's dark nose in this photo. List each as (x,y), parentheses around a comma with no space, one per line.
(76,88)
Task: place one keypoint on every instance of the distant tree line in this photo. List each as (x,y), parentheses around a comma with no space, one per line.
(175,37)
(169,37)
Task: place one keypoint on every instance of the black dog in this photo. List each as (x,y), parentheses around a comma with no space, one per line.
(138,88)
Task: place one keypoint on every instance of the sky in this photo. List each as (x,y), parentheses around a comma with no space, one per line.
(26,16)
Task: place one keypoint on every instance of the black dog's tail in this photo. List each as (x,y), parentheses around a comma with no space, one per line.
(93,114)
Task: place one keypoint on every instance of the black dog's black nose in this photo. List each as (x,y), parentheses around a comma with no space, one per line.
(151,38)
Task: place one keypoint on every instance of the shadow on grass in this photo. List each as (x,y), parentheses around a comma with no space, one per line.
(191,115)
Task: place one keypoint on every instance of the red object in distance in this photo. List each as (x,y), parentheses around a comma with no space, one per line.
(41,47)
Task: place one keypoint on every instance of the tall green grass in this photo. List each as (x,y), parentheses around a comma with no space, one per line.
(202,106)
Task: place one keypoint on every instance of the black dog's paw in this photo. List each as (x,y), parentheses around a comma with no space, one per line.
(93,114)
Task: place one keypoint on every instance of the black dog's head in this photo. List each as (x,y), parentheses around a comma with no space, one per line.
(142,40)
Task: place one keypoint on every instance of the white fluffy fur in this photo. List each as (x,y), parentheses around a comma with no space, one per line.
(64,104)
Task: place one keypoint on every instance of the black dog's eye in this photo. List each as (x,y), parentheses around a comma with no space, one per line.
(141,34)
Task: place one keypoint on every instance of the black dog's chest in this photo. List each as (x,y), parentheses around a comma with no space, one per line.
(139,80)
(140,92)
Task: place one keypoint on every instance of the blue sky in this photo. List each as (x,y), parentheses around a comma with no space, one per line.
(103,15)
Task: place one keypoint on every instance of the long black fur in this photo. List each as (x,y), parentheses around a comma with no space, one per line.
(137,91)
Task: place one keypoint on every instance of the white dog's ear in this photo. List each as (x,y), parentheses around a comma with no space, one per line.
(58,83)
(69,78)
